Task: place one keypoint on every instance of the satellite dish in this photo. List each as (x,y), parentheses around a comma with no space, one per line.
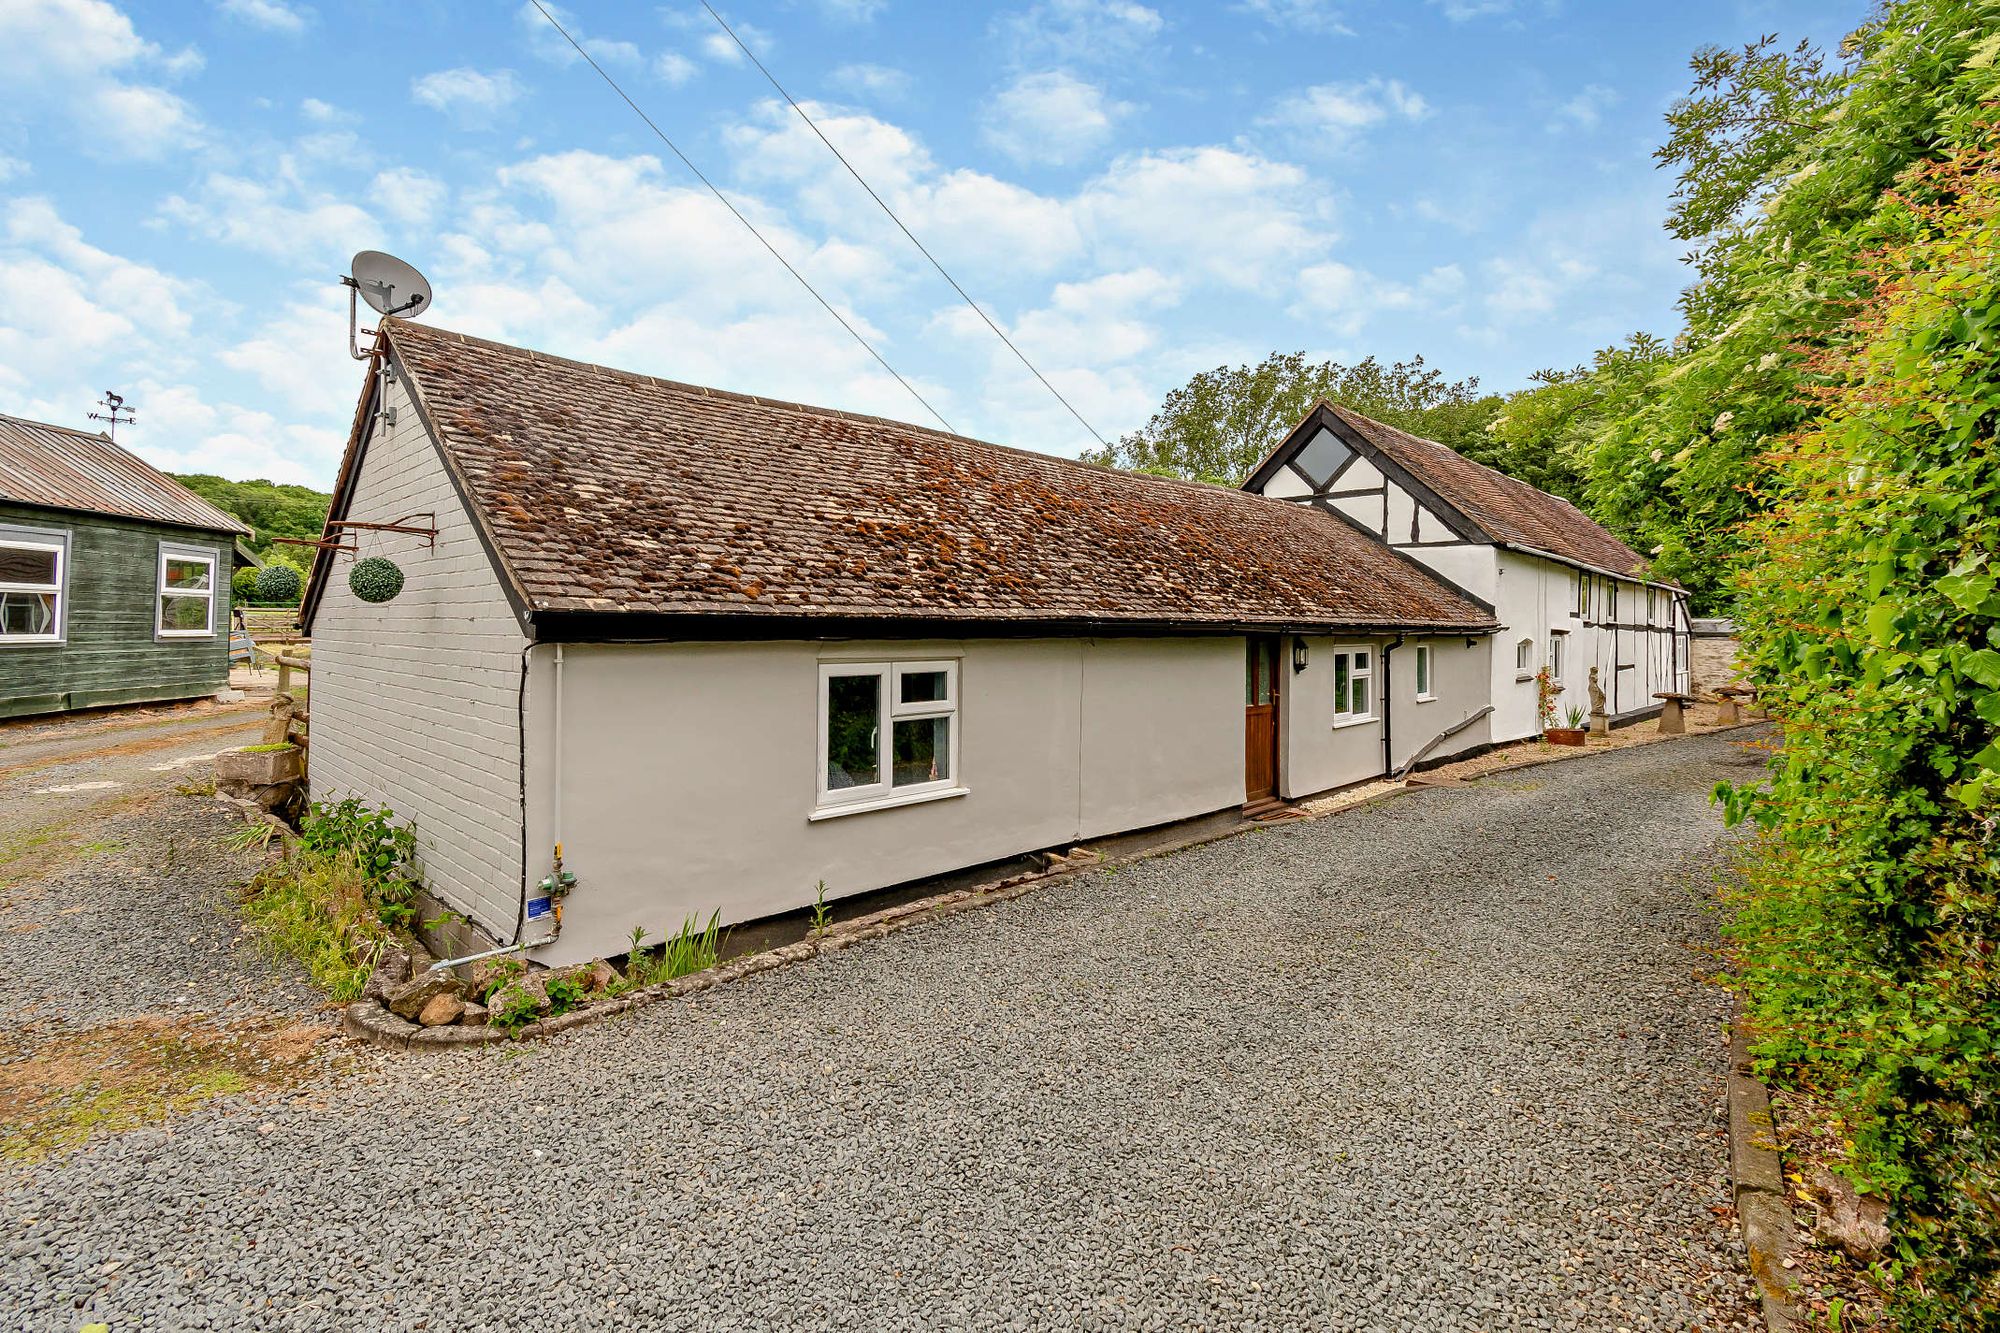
(388,285)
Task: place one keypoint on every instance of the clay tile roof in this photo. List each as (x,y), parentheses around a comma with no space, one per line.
(605,491)
(58,468)
(1508,510)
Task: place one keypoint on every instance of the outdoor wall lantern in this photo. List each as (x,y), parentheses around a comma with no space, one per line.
(1300,654)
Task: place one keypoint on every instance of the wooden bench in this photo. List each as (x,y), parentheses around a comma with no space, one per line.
(1673,721)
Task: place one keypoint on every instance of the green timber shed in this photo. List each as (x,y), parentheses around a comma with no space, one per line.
(114,577)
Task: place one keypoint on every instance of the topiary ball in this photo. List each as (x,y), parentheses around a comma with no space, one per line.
(279,584)
(375,579)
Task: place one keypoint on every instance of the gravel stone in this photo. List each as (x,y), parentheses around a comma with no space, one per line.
(1440,1063)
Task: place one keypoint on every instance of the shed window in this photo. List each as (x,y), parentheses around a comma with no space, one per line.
(1353,685)
(1424,693)
(31,582)
(186,592)
(888,733)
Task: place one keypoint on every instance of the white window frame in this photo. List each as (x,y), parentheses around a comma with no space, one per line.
(1556,655)
(56,543)
(883,794)
(1426,674)
(1343,712)
(1611,601)
(206,555)
(1524,659)
(1582,611)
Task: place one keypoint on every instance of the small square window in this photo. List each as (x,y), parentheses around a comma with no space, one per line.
(1353,686)
(186,592)
(32,572)
(887,734)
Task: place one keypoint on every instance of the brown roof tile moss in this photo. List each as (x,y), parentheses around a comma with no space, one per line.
(1508,510)
(608,491)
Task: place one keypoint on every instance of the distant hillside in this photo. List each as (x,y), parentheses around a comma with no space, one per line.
(272,509)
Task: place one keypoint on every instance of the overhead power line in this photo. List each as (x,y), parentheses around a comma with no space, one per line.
(883,204)
(738,215)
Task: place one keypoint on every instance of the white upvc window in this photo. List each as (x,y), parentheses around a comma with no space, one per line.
(1524,659)
(888,735)
(33,565)
(1353,686)
(184,607)
(1425,691)
(1556,664)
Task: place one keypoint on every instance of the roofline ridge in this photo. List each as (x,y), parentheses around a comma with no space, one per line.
(808,409)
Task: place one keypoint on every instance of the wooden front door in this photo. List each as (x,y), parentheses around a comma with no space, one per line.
(1260,719)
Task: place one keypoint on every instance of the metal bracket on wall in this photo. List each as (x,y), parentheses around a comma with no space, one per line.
(406,524)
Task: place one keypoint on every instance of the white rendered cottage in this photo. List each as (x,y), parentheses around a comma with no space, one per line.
(1569,596)
(720,649)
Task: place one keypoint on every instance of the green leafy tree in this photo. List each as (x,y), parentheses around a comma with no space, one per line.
(1220,424)
(1870,604)
(271,509)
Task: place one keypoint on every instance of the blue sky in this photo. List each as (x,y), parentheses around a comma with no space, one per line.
(1136,191)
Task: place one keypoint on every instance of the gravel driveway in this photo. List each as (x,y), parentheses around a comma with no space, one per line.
(1438,1063)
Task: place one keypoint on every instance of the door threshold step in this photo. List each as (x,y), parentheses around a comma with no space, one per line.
(1270,810)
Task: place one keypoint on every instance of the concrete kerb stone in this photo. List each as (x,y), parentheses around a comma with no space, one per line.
(1770,1236)
(366,1019)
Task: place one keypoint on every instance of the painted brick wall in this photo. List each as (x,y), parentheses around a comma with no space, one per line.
(415,702)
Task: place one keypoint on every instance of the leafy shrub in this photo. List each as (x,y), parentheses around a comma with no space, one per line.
(512,1006)
(279,585)
(243,584)
(1870,606)
(338,895)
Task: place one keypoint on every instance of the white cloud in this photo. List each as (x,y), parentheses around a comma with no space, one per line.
(271,15)
(281,218)
(324,113)
(77,59)
(1584,110)
(1335,115)
(469,96)
(1232,216)
(1051,118)
(674,69)
(1460,11)
(406,195)
(1322,17)
(852,11)
(11,167)
(865,80)
(1077,32)
(711,40)
(550,45)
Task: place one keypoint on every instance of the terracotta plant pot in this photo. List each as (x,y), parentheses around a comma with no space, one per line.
(1564,735)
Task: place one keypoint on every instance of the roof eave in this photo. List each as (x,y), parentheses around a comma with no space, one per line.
(578,626)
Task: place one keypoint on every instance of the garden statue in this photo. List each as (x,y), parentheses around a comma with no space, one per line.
(1600,721)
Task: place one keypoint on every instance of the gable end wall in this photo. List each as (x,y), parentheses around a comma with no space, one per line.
(415,702)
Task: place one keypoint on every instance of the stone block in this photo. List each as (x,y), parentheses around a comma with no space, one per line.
(261,768)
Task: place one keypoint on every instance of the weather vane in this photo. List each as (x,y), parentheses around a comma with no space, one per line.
(114,415)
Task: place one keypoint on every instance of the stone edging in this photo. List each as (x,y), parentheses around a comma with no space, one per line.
(370,1021)
(1757,1175)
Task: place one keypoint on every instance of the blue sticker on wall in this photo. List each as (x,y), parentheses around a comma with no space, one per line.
(540,907)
